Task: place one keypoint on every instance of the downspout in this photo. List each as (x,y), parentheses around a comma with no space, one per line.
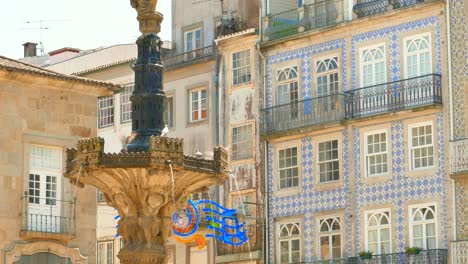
(449,54)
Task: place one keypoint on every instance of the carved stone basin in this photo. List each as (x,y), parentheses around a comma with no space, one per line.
(141,187)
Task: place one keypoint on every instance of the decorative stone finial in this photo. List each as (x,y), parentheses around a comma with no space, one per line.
(150,20)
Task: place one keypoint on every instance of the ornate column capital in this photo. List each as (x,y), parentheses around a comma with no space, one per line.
(150,20)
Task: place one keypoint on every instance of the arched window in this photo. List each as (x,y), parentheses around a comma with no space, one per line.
(373,68)
(289,242)
(378,232)
(288,89)
(330,238)
(327,76)
(418,56)
(423,229)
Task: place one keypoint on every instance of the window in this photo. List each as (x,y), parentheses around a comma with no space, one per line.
(289,242)
(373,68)
(423,231)
(376,154)
(106,252)
(106,111)
(197,104)
(169,111)
(328,162)
(126,104)
(241,67)
(288,91)
(327,76)
(288,169)
(421,146)
(100,196)
(418,56)
(193,40)
(241,142)
(378,232)
(330,238)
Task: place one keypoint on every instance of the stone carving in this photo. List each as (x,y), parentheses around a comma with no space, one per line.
(144,6)
(150,20)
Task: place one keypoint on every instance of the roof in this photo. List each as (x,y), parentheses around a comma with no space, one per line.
(55,52)
(237,34)
(15,65)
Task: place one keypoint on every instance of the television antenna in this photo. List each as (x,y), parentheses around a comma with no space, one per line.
(42,25)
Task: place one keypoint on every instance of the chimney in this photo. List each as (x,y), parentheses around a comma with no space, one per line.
(30,49)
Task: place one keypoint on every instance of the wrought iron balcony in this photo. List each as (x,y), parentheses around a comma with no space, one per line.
(305,113)
(46,217)
(393,96)
(459,156)
(364,8)
(306,18)
(188,58)
(433,256)
(459,251)
(253,244)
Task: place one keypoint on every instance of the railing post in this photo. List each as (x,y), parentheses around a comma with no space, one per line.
(301,19)
(265,27)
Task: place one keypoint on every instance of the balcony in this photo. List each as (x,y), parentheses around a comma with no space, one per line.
(459,251)
(306,18)
(394,96)
(433,256)
(459,156)
(188,58)
(48,219)
(300,114)
(363,8)
(422,91)
(225,252)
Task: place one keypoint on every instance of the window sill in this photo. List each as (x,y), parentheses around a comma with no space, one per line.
(381,178)
(422,172)
(197,123)
(326,186)
(287,191)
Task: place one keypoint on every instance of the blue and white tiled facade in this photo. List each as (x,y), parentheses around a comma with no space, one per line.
(397,191)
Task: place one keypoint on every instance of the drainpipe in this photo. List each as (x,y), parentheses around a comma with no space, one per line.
(452,181)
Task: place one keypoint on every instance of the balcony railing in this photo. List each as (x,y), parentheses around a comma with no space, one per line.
(308,112)
(49,215)
(364,8)
(459,252)
(378,99)
(188,57)
(393,96)
(306,18)
(253,244)
(459,156)
(433,256)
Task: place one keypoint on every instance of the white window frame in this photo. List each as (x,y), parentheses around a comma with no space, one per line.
(327,73)
(367,155)
(242,149)
(367,216)
(337,159)
(170,120)
(362,52)
(289,239)
(424,224)
(106,111)
(417,53)
(286,168)
(243,68)
(126,104)
(290,80)
(193,39)
(330,235)
(109,259)
(412,148)
(100,198)
(199,101)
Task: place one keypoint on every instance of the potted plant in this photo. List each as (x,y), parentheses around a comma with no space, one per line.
(413,250)
(365,254)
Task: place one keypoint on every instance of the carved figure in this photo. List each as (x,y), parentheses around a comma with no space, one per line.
(144,6)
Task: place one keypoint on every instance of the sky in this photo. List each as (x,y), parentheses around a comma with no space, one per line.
(82,24)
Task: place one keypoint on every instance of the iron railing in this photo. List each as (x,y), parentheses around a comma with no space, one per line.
(46,215)
(459,252)
(364,8)
(388,97)
(299,114)
(393,96)
(433,256)
(188,57)
(459,156)
(309,17)
(253,243)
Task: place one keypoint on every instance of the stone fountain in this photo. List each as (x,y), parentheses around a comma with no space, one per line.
(147,182)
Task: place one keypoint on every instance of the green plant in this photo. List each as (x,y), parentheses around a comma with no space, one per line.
(365,254)
(413,250)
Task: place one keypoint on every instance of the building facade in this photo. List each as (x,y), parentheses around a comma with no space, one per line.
(356,124)
(45,219)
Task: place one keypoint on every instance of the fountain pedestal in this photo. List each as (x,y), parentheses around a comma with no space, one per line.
(140,186)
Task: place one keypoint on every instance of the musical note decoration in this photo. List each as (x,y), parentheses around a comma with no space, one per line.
(222,221)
